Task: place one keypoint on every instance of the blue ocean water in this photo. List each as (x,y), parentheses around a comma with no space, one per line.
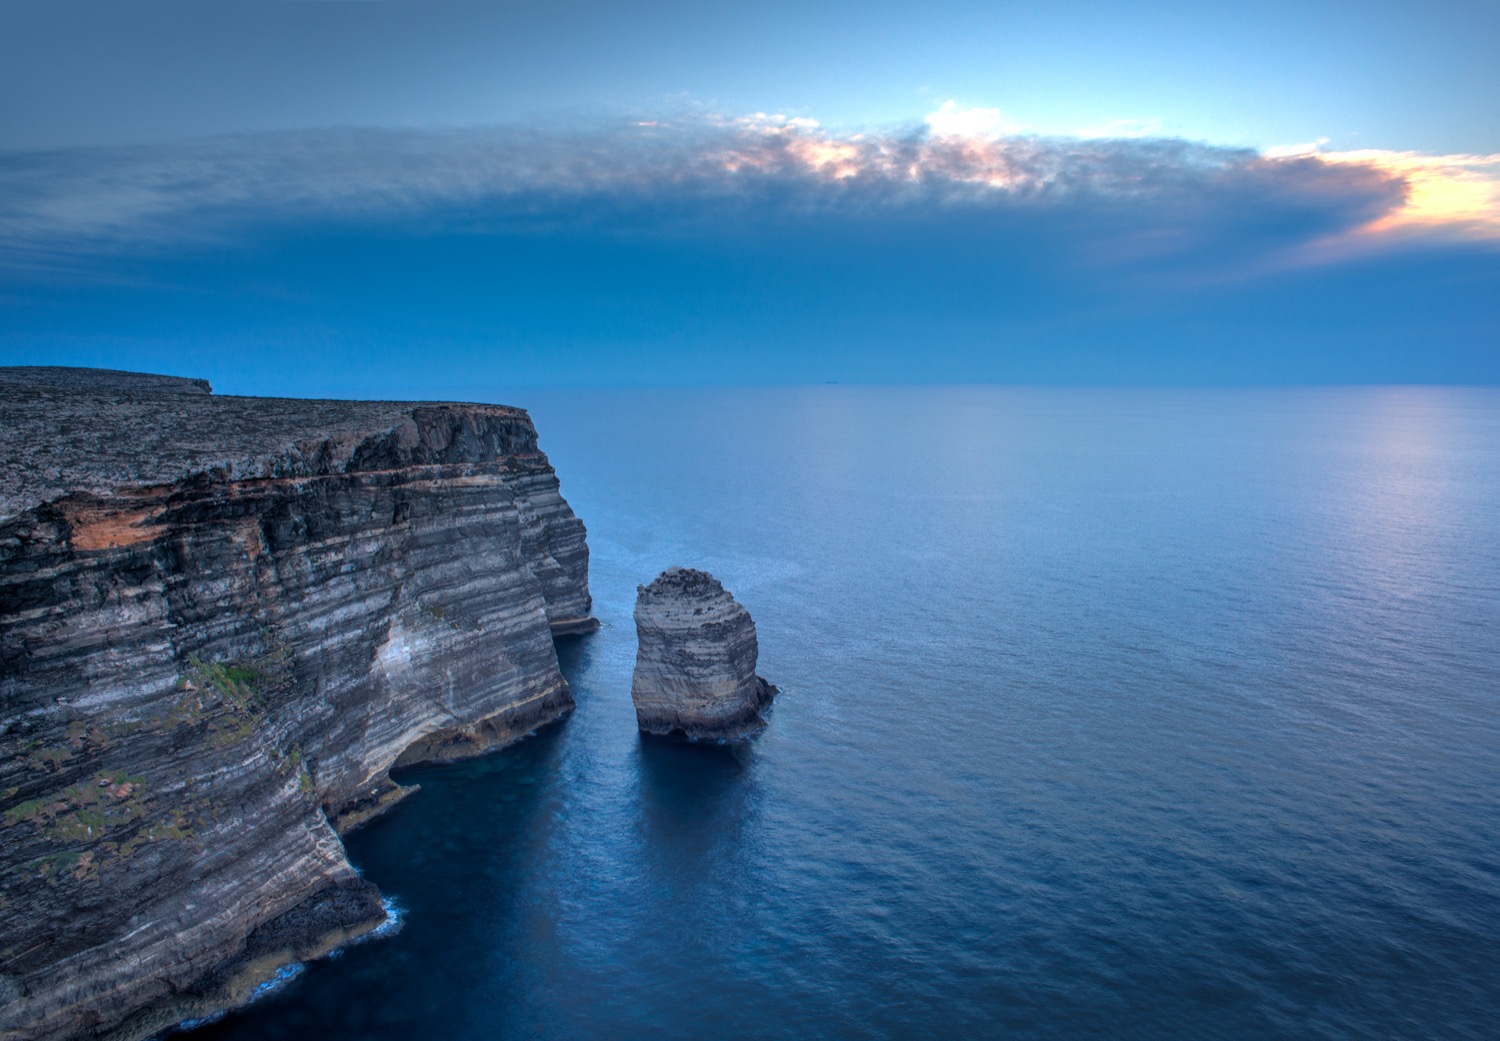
(1115,714)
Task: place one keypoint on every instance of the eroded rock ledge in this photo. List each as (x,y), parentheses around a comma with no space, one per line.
(222,620)
(695,664)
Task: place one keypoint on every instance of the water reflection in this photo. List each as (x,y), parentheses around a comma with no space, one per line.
(573,654)
(693,811)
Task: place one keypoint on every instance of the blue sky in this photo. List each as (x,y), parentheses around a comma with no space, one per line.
(454,199)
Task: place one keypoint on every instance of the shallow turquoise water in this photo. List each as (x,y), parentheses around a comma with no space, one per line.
(1107,714)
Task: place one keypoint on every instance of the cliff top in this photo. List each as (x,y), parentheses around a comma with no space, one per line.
(678,582)
(99,381)
(96,430)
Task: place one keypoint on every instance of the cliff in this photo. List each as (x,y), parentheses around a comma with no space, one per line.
(222,620)
(695,660)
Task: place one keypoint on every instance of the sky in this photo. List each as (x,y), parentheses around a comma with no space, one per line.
(452,199)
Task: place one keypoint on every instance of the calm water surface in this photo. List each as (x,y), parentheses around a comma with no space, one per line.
(1107,714)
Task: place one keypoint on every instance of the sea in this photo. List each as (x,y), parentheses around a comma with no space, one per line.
(1118,714)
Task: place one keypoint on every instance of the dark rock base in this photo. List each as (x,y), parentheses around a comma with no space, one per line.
(747,721)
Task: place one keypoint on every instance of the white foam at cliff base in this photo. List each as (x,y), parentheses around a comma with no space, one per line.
(394,918)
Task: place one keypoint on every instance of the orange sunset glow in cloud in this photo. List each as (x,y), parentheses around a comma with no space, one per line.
(1449,195)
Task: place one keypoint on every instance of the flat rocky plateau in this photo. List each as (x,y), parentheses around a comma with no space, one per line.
(97,430)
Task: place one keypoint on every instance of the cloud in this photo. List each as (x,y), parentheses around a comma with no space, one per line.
(985,123)
(1455,195)
(758,247)
(1127,200)
(1306,148)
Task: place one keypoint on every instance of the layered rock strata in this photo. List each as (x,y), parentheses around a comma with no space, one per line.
(222,620)
(695,664)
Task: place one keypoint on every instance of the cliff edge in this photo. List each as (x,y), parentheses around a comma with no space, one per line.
(222,620)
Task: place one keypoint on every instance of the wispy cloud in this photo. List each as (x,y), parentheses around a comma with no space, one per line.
(1126,128)
(1148,194)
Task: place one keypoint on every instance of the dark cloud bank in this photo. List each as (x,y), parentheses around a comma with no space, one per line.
(756,249)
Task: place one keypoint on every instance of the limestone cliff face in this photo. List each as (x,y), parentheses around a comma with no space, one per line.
(221,621)
(695,664)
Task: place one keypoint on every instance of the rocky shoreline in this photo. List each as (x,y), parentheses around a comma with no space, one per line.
(222,621)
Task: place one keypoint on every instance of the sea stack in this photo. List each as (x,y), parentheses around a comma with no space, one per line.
(695,664)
